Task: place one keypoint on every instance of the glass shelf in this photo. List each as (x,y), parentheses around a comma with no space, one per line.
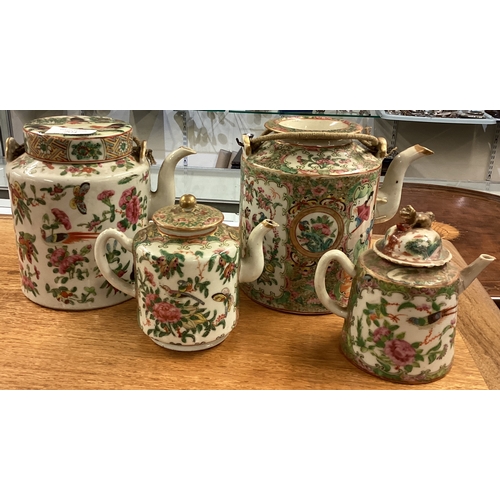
(337,113)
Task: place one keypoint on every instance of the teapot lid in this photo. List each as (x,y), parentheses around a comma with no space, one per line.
(78,139)
(413,242)
(188,218)
(314,146)
(312,123)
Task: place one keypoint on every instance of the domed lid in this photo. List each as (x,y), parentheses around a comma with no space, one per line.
(315,146)
(78,139)
(413,243)
(188,218)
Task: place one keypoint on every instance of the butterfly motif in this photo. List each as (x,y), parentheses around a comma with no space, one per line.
(79,193)
(226,297)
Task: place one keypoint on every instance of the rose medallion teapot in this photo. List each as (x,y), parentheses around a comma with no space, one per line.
(187,269)
(318,177)
(400,322)
(74,177)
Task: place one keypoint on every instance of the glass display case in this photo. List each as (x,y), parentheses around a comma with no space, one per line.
(464,148)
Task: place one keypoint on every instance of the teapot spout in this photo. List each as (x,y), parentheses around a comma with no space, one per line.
(471,272)
(389,195)
(165,192)
(252,264)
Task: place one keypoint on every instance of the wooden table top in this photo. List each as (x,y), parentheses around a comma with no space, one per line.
(105,348)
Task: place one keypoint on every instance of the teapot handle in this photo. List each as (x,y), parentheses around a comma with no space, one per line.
(378,145)
(319,279)
(13,149)
(102,261)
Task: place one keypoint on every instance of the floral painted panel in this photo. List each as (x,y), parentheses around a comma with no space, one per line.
(316,214)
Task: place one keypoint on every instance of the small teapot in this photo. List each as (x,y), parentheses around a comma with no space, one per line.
(187,269)
(400,321)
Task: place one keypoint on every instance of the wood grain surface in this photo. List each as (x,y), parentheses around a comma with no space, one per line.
(105,348)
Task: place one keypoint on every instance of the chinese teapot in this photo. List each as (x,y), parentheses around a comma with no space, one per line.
(187,269)
(400,322)
(74,177)
(318,177)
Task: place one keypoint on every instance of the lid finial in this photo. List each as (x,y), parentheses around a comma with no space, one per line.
(187,202)
(415,219)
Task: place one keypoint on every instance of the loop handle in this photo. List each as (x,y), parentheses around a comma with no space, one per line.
(320,277)
(12,149)
(140,152)
(378,145)
(102,260)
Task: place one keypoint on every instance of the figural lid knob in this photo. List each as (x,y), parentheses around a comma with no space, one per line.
(413,242)
(188,218)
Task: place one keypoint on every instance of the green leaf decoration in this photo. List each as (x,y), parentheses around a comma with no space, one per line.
(435,348)
(406,305)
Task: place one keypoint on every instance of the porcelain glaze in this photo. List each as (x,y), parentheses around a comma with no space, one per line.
(77,177)
(400,321)
(322,192)
(188,268)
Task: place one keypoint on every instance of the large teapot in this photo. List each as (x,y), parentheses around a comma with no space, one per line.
(400,322)
(318,177)
(73,177)
(187,269)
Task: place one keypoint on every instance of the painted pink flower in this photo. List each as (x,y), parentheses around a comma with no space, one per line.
(57,256)
(166,312)
(150,277)
(400,352)
(381,331)
(319,190)
(150,300)
(121,227)
(68,262)
(133,210)
(27,283)
(62,218)
(324,161)
(105,195)
(93,224)
(261,202)
(126,196)
(322,228)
